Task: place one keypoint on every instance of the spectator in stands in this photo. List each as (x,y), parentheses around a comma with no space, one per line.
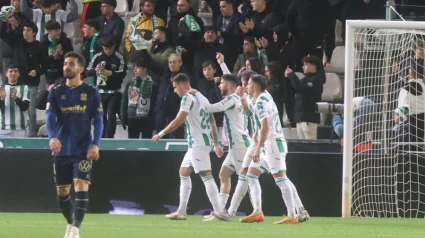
(253,64)
(14,102)
(168,102)
(186,30)
(56,45)
(194,4)
(249,50)
(207,50)
(412,95)
(401,127)
(308,92)
(143,24)
(160,51)
(305,22)
(262,21)
(61,4)
(229,33)
(162,6)
(138,103)
(14,26)
(92,45)
(49,12)
(91,10)
(110,69)
(207,85)
(279,90)
(110,23)
(281,51)
(29,57)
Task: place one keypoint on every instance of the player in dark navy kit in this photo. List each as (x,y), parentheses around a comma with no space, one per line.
(71,110)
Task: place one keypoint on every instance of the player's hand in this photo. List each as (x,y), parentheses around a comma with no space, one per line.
(2,93)
(239,91)
(33,73)
(256,155)
(218,151)
(55,145)
(156,138)
(192,91)
(220,58)
(93,153)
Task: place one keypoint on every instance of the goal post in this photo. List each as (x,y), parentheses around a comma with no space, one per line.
(371,50)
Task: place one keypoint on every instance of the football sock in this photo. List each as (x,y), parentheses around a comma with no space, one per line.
(185,190)
(81,205)
(223,199)
(255,188)
(212,192)
(285,187)
(238,195)
(65,205)
(297,201)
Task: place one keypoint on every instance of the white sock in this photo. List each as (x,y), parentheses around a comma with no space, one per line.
(285,187)
(223,199)
(240,191)
(212,192)
(297,201)
(255,188)
(185,190)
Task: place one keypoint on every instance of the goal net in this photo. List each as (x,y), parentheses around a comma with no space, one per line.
(384,152)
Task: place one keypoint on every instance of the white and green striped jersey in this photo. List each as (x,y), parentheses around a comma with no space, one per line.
(234,117)
(12,118)
(250,101)
(197,122)
(265,109)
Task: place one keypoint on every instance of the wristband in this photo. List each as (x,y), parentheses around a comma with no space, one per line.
(161,133)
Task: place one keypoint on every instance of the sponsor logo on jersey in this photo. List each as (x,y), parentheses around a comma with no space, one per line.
(76,108)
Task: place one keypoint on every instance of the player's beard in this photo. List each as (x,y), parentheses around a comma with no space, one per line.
(223,93)
(70,74)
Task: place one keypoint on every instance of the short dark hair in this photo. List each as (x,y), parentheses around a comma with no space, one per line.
(141,63)
(92,23)
(256,64)
(12,66)
(228,1)
(208,63)
(142,2)
(314,60)
(163,29)
(250,39)
(231,78)
(181,78)
(107,41)
(260,80)
(110,2)
(32,25)
(52,25)
(47,3)
(80,59)
(247,74)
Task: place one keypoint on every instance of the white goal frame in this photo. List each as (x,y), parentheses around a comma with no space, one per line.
(351,25)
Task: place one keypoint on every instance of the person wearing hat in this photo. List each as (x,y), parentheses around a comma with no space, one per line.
(138,103)
(110,23)
(110,69)
(308,92)
(400,117)
(140,29)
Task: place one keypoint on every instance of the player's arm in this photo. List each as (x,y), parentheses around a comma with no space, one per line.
(52,109)
(245,106)
(264,122)
(176,123)
(97,119)
(214,134)
(221,106)
(24,102)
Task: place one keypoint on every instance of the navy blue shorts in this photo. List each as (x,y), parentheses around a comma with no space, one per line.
(68,168)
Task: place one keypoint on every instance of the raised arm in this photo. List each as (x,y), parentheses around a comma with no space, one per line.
(26,10)
(221,106)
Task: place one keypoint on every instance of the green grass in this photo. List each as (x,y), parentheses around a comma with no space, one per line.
(13,225)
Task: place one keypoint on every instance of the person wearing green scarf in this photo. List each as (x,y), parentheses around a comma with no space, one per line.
(138,102)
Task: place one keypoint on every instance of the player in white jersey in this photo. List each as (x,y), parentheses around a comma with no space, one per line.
(237,132)
(270,135)
(200,127)
(14,103)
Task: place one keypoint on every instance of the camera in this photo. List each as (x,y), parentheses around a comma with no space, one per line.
(328,108)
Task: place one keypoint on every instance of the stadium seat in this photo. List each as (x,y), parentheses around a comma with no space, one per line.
(80,6)
(290,133)
(332,88)
(69,29)
(122,7)
(337,64)
(206,18)
(136,6)
(300,75)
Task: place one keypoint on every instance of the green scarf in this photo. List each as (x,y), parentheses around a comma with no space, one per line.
(188,25)
(92,52)
(139,95)
(137,40)
(52,46)
(43,23)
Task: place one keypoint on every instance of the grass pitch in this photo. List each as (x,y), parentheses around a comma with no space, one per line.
(20,225)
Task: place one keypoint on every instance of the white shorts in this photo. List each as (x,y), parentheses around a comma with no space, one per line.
(275,155)
(197,158)
(248,163)
(235,158)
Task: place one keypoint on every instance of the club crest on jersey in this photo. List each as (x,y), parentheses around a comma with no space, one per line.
(83,97)
(84,166)
(63,97)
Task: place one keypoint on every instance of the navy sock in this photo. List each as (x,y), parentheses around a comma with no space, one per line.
(65,205)
(81,205)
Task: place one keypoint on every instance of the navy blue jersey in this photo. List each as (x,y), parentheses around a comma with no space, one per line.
(75,109)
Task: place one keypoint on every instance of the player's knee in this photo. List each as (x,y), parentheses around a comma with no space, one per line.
(206,173)
(63,191)
(279,174)
(81,185)
(185,172)
(243,171)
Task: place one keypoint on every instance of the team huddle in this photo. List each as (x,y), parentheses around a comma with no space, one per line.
(249,157)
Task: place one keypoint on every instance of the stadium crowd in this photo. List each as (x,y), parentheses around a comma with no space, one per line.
(275,38)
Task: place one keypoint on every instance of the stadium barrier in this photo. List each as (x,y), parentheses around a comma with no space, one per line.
(127,181)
